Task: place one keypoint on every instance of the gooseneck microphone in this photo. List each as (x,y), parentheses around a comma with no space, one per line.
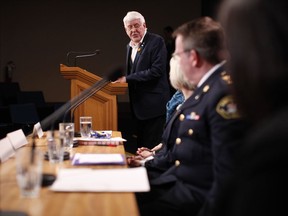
(86,94)
(80,55)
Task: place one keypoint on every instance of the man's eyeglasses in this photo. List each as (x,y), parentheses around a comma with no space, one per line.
(175,54)
(130,27)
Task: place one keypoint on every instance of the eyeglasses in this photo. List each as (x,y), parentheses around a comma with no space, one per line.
(174,55)
(130,27)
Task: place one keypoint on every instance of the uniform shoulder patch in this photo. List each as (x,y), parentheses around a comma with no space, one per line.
(227,108)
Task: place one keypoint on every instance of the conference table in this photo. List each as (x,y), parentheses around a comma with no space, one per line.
(66,203)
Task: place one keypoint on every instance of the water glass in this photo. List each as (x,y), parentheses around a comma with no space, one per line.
(29,171)
(85,126)
(55,147)
(66,133)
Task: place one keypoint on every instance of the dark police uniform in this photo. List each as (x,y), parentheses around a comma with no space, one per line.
(209,131)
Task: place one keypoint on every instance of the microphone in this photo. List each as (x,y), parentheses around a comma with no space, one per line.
(84,96)
(80,55)
(32,156)
(114,75)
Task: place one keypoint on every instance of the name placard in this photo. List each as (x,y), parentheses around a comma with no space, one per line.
(6,149)
(17,138)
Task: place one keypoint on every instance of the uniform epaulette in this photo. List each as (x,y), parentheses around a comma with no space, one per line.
(204,90)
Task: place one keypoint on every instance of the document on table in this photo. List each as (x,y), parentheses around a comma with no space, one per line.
(113,141)
(100,138)
(101,180)
(97,159)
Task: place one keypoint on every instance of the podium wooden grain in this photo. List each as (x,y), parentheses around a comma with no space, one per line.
(102,106)
(66,203)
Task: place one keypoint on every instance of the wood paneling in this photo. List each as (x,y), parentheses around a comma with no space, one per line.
(102,106)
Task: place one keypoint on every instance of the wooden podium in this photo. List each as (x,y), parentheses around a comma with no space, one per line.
(102,106)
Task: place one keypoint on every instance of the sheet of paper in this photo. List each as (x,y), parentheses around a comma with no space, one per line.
(95,158)
(102,180)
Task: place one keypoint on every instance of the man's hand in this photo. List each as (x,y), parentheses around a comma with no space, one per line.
(120,80)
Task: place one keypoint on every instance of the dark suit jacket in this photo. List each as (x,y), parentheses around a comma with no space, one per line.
(147,78)
(209,131)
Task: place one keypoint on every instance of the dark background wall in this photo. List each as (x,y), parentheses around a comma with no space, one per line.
(210,7)
(37,35)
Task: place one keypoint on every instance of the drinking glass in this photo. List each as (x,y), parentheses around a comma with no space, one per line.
(66,133)
(85,126)
(55,147)
(29,171)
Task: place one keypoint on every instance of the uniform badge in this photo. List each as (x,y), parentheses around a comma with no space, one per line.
(227,108)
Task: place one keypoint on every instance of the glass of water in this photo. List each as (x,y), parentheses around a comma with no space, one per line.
(29,171)
(56,147)
(85,126)
(66,132)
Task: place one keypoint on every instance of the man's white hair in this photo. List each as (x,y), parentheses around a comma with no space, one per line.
(132,15)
